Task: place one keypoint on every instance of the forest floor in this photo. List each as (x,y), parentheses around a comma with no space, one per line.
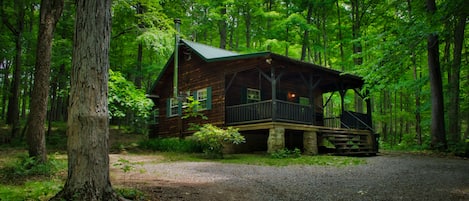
(388,176)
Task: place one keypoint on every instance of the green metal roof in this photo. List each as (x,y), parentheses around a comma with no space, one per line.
(208,52)
(211,54)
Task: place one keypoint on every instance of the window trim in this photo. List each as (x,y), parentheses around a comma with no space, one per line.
(197,97)
(171,106)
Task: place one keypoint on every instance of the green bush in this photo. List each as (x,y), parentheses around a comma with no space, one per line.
(171,145)
(26,167)
(131,194)
(285,153)
(212,139)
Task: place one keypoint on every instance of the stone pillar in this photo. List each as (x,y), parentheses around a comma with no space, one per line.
(310,142)
(276,140)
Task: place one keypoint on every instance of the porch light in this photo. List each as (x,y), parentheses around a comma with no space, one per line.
(291,94)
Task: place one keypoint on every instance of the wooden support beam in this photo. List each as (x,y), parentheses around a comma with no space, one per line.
(231,81)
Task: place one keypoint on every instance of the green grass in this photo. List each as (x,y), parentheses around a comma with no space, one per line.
(24,179)
(31,190)
(265,160)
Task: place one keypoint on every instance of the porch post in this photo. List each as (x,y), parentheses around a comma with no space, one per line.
(312,104)
(310,142)
(342,97)
(276,140)
(273,81)
(368,109)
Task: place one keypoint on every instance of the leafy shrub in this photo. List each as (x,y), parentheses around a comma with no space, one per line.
(212,139)
(171,145)
(460,149)
(285,153)
(26,167)
(128,102)
(132,194)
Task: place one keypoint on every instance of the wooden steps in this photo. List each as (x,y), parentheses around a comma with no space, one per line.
(347,141)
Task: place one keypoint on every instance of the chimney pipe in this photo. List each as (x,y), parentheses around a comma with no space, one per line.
(177,23)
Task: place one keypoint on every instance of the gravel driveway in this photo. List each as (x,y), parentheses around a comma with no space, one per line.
(385,177)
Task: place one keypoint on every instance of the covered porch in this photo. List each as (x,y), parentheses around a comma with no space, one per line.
(290,96)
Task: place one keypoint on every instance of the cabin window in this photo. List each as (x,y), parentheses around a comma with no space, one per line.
(173,107)
(253,95)
(154,116)
(204,97)
(304,101)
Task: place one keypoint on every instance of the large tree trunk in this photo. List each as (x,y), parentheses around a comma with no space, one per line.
(49,15)
(139,75)
(438,121)
(88,132)
(247,22)
(357,47)
(13,112)
(341,43)
(5,87)
(222,27)
(305,44)
(453,110)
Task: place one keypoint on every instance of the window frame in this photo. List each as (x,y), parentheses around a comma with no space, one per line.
(257,97)
(173,104)
(203,102)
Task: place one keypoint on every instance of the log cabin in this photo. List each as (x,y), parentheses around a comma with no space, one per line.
(275,101)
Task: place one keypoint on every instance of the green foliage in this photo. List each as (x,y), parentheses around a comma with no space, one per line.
(31,190)
(213,138)
(130,193)
(267,160)
(460,149)
(171,145)
(127,101)
(25,167)
(285,153)
(25,179)
(126,166)
(192,109)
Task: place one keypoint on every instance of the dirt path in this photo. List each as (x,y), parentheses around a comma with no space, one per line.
(385,177)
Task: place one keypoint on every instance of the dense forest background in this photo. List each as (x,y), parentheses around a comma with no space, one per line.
(393,44)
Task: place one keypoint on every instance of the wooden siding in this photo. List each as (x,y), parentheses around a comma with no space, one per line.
(196,74)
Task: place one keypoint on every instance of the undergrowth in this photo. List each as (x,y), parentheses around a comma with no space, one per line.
(24,178)
(171,145)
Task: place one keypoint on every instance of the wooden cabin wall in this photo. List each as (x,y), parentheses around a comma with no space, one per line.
(236,94)
(195,74)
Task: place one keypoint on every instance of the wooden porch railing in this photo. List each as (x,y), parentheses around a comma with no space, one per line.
(292,112)
(262,111)
(249,113)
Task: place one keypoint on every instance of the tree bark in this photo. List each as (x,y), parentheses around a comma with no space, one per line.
(454,82)
(305,44)
(139,75)
(88,132)
(5,87)
(49,15)
(222,28)
(13,111)
(341,43)
(438,121)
